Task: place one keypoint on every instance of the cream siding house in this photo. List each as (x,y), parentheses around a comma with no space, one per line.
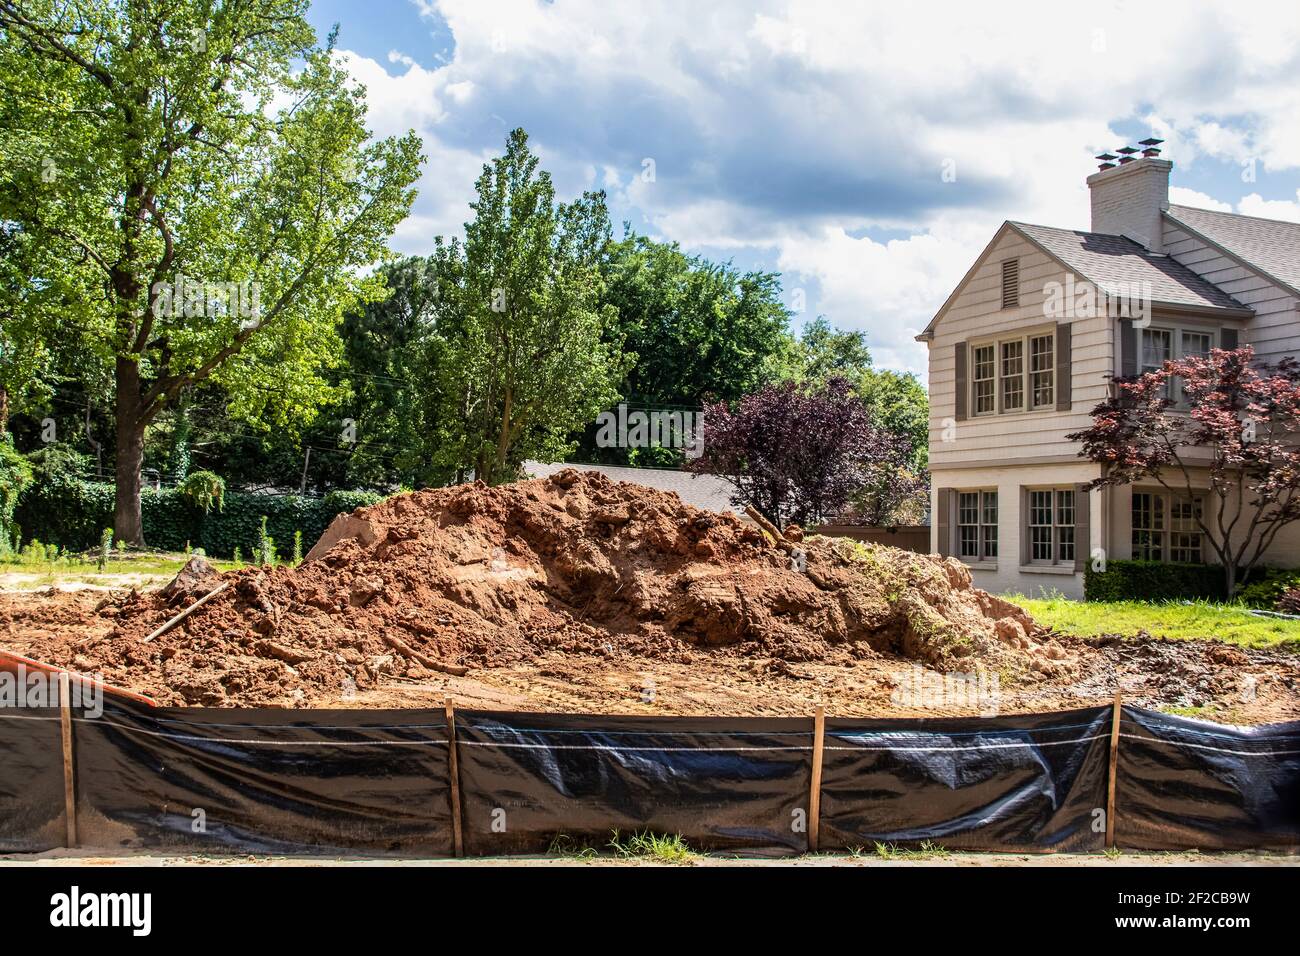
(1027,344)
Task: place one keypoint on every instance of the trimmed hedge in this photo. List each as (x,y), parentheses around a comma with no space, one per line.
(72,513)
(1153,581)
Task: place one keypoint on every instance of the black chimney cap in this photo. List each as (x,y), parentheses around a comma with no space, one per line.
(1127,150)
(1151,141)
(1107,157)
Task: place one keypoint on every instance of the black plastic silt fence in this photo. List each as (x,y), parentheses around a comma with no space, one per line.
(438,782)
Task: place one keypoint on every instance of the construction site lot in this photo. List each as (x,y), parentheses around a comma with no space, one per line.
(578,594)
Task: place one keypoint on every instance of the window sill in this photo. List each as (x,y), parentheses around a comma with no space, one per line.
(1061,569)
(1011,416)
(980,565)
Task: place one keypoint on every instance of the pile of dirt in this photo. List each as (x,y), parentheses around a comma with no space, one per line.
(575,565)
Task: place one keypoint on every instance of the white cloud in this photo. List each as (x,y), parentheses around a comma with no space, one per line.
(1257,205)
(784,131)
(1190,197)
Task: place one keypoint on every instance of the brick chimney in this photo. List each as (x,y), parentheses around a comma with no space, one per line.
(1127,200)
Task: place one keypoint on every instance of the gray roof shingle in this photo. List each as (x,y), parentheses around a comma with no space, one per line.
(703,491)
(1270,245)
(1113,262)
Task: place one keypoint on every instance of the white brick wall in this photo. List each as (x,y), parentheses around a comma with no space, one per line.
(1128,201)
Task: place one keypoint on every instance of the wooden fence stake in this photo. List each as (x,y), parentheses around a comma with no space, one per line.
(453,769)
(69,783)
(815,790)
(1114,762)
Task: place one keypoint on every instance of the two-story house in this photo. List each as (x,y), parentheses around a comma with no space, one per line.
(1025,348)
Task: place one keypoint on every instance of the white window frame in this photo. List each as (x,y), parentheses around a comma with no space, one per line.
(1176,332)
(1026,376)
(1061,543)
(985,525)
(1164,503)
(976,379)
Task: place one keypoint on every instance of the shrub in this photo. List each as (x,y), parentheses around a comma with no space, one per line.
(105,548)
(72,513)
(1266,587)
(204,489)
(1289,602)
(1153,581)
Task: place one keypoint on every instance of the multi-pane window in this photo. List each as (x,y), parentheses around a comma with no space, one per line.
(1156,349)
(1014,374)
(989,523)
(1051,526)
(1161,345)
(1196,344)
(977,525)
(1192,345)
(1148,526)
(984,380)
(1167,527)
(1041,365)
(1185,530)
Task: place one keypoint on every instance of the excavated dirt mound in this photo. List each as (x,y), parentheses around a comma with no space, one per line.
(468,578)
(579,594)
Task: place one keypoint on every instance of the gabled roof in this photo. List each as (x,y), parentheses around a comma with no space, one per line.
(1269,246)
(1113,264)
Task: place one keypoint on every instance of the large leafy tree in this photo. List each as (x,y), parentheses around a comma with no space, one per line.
(525,352)
(897,401)
(152,146)
(699,329)
(1223,424)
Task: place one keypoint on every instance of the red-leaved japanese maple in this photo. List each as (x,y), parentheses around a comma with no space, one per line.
(1223,426)
(798,453)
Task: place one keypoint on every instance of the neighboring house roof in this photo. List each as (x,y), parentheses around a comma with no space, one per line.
(1111,263)
(1269,246)
(703,491)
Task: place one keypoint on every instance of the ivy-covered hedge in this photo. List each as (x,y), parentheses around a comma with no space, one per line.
(71,513)
(1153,581)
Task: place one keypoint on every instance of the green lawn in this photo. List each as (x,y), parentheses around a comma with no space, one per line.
(122,570)
(1223,622)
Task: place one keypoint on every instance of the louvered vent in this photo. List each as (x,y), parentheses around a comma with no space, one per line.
(1010,283)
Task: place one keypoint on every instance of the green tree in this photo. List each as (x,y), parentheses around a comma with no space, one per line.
(699,329)
(524,353)
(201,173)
(897,401)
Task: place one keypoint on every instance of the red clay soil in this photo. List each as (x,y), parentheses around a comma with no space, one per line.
(579,593)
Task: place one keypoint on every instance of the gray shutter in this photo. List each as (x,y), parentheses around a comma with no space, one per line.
(1064,376)
(1023,536)
(1227,338)
(959,376)
(1082,527)
(1128,348)
(943,519)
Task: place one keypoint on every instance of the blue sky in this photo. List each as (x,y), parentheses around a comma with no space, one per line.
(865,152)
